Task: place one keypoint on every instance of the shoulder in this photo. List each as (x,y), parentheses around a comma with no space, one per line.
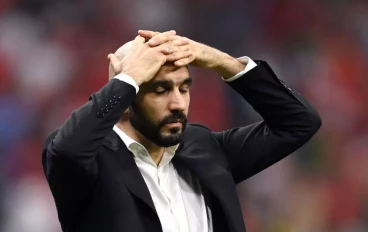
(197,132)
(194,127)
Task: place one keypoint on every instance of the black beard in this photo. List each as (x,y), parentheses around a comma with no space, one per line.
(152,131)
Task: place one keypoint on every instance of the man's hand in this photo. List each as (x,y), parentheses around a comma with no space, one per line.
(142,62)
(202,55)
(198,50)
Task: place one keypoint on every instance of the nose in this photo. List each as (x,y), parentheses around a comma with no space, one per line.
(177,101)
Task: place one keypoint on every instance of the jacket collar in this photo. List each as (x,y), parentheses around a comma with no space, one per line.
(191,155)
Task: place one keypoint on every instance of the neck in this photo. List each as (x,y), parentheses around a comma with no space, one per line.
(156,152)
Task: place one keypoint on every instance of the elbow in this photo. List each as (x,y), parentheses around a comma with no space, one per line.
(57,145)
(314,122)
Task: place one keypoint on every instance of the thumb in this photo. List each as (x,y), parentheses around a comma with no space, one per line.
(115,62)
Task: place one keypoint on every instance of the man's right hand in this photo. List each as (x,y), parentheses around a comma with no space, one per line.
(142,62)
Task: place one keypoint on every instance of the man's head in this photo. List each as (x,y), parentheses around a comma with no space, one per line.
(120,53)
(160,109)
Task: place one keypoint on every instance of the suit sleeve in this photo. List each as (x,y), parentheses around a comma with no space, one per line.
(69,153)
(81,136)
(289,122)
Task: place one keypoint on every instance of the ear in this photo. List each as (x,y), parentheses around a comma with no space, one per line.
(112,73)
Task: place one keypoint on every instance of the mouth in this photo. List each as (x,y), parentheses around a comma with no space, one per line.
(174,124)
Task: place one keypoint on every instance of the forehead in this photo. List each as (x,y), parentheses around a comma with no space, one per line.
(172,73)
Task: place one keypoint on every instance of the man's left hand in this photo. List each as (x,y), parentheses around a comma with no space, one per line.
(202,55)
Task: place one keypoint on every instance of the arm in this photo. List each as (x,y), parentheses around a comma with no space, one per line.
(81,136)
(289,122)
(79,139)
(69,153)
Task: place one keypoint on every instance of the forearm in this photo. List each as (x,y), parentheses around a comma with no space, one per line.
(82,134)
(228,66)
(289,122)
(282,108)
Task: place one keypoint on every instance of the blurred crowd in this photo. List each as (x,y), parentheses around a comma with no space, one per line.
(53,56)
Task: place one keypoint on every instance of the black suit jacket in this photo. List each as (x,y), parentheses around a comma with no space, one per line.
(98,187)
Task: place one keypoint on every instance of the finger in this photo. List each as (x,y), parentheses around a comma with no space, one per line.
(183,48)
(184,62)
(161,38)
(115,62)
(139,40)
(179,55)
(153,33)
(168,49)
(174,40)
(147,34)
(180,41)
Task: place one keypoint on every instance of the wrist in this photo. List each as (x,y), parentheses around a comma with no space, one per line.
(138,81)
(228,66)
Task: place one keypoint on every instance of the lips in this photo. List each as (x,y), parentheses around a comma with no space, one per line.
(171,122)
(177,123)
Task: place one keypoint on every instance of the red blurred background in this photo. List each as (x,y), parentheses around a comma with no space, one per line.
(53,56)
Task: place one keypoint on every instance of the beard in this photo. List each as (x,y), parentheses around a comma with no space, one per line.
(153,131)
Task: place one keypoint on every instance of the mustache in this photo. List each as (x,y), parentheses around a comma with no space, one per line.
(174,117)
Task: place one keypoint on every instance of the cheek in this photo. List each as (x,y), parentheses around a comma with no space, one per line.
(187,99)
(153,109)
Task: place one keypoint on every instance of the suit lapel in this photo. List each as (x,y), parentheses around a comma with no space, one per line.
(194,157)
(213,177)
(129,172)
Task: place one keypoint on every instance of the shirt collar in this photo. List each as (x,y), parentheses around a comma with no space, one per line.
(126,139)
(139,150)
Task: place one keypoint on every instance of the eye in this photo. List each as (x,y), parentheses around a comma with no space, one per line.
(184,89)
(160,90)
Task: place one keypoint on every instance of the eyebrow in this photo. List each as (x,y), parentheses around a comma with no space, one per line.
(187,81)
(167,83)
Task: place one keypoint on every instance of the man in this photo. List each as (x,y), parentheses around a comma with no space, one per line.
(127,161)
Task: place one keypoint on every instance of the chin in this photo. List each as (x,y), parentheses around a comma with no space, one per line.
(173,131)
(168,140)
